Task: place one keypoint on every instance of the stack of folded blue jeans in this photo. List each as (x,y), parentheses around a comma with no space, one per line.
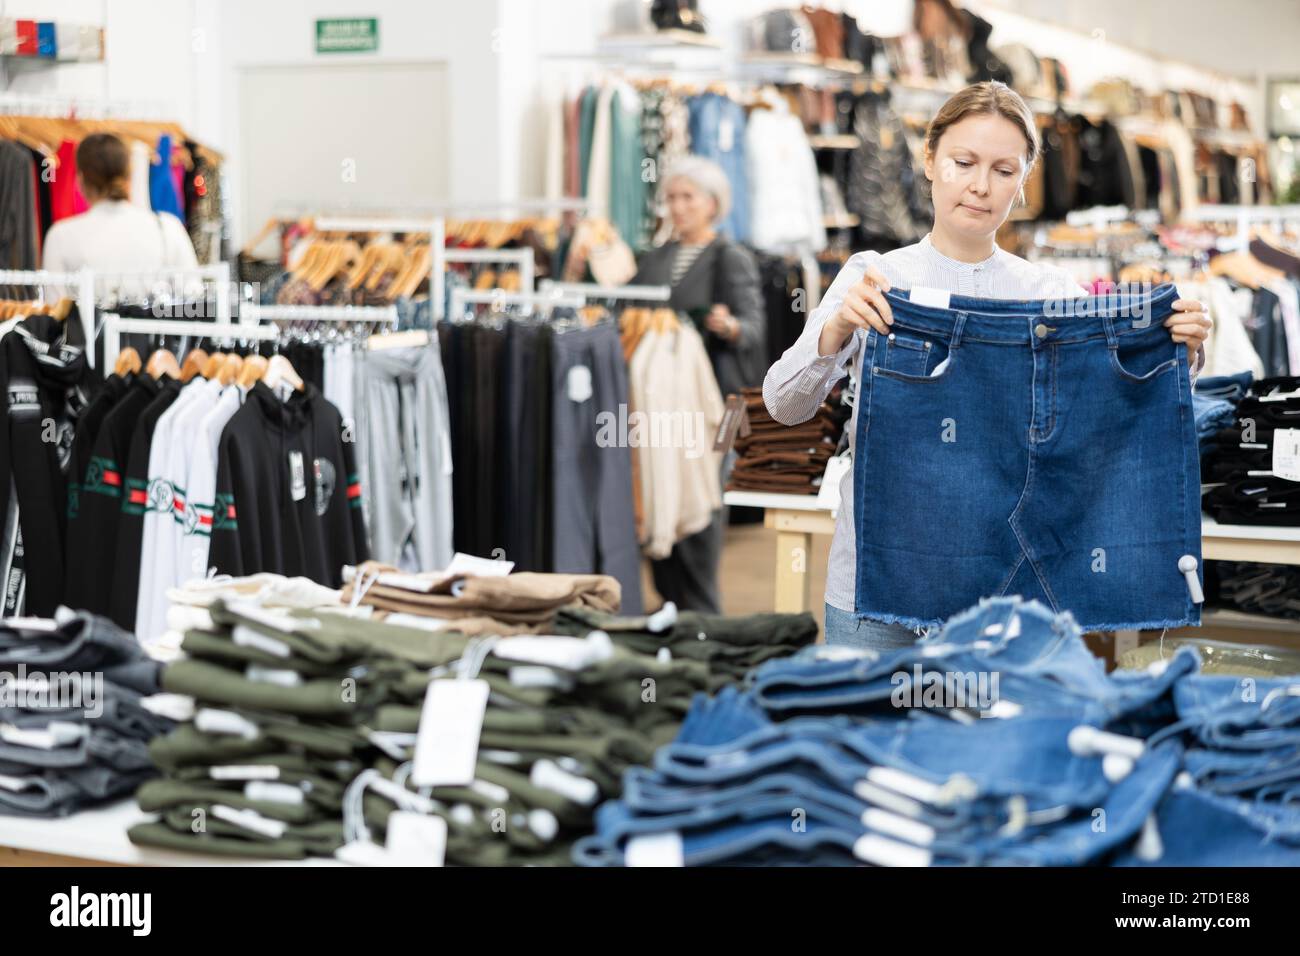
(998,741)
(1214,403)
(74,724)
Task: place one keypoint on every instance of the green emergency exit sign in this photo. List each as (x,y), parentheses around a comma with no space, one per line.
(356,35)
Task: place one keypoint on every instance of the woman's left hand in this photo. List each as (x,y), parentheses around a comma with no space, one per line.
(722,323)
(1190,323)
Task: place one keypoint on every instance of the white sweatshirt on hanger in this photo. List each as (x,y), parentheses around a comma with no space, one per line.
(201,487)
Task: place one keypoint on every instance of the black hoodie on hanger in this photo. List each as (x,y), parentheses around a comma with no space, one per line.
(288,492)
(45,385)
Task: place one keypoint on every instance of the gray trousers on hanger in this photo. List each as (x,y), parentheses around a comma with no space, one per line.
(595,529)
(403,434)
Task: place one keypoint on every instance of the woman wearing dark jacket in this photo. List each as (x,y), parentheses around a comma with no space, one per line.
(715,282)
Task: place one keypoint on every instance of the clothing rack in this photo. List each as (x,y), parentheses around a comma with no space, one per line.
(319,313)
(84,281)
(463,297)
(593,290)
(218,274)
(436,227)
(1244,216)
(114,325)
(524,258)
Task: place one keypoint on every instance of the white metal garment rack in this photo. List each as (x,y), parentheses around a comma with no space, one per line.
(83,281)
(1244,216)
(218,274)
(463,297)
(592,290)
(255,313)
(114,325)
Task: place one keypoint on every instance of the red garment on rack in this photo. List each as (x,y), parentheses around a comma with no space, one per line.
(65,195)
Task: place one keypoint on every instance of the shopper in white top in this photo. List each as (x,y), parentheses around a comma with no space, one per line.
(979,150)
(115,235)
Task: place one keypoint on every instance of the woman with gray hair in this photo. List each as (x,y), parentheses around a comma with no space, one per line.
(715,282)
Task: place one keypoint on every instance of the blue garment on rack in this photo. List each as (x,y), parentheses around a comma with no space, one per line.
(717,128)
(162,187)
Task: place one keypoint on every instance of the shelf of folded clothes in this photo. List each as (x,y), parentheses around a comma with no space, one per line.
(1238,421)
(785,459)
(305,719)
(845,757)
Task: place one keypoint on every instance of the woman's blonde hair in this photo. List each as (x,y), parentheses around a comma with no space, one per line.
(990,98)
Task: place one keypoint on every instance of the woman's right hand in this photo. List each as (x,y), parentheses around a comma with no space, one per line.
(864,307)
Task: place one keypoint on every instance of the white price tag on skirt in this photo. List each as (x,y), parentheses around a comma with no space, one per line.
(828,496)
(1286,453)
(446,746)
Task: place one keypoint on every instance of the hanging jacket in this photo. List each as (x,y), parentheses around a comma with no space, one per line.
(45,384)
(95,512)
(288,493)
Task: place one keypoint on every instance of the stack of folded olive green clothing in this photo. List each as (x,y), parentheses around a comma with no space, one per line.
(291,711)
(731,646)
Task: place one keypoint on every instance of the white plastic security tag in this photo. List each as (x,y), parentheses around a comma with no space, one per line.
(891,824)
(876,849)
(924,295)
(1187,564)
(244,772)
(416,839)
(446,748)
(227,722)
(250,820)
(662,619)
(269,792)
(828,495)
(1086,741)
(655,849)
(247,637)
(1286,453)
(549,776)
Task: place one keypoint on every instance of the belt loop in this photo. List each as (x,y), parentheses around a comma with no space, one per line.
(1108,323)
(957,327)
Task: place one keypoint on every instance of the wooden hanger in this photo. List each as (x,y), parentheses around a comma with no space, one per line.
(230,369)
(280,369)
(163,362)
(194,364)
(213,365)
(128,362)
(251,373)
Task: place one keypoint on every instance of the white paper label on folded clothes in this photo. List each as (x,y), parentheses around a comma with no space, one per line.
(225,722)
(547,775)
(416,839)
(492,791)
(244,772)
(655,849)
(891,824)
(828,495)
(569,653)
(247,637)
(250,820)
(579,383)
(177,707)
(905,783)
(529,675)
(268,792)
(421,622)
(55,734)
(479,567)
(273,675)
(1286,453)
(31,624)
(882,852)
(446,749)
(15,784)
(924,295)
(505,757)
(297,477)
(1280,396)
(938,369)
